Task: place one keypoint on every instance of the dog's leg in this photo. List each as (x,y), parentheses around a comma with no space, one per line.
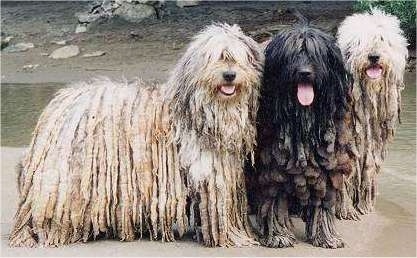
(276,223)
(320,223)
(349,167)
(367,191)
(23,236)
(240,231)
(344,204)
(223,206)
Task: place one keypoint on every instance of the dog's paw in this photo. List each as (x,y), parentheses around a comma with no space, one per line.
(348,214)
(278,241)
(365,207)
(328,242)
(23,237)
(29,242)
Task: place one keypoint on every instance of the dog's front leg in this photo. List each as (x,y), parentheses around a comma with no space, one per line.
(368,189)
(218,183)
(274,218)
(320,222)
(349,170)
(222,208)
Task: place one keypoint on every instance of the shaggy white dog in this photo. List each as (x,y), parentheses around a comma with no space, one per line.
(120,160)
(375,52)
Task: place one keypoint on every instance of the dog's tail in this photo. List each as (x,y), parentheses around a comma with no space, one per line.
(301,18)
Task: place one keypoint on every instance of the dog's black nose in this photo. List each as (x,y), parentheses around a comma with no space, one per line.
(229,76)
(305,73)
(373,58)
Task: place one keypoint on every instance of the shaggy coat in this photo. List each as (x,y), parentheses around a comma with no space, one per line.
(375,52)
(303,150)
(122,160)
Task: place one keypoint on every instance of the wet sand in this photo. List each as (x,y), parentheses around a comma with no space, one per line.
(390,231)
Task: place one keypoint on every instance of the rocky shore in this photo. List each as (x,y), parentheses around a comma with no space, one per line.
(147,49)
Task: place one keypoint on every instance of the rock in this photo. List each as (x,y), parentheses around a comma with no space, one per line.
(30,67)
(119,2)
(135,35)
(107,5)
(88,17)
(65,52)
(159,6)
(95,54)
(59,42)
(81,28)
(19,47)
(134,12)
(44,54)
(187,3)
(5,42)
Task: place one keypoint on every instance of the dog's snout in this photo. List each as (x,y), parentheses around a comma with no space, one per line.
(373,57)
(229,76)
(305,73)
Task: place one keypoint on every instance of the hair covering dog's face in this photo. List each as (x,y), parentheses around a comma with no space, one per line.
(221,64)
(304,72)
(373,45)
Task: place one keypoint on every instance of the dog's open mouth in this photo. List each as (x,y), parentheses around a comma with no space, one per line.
(227,89)
(305,93)
(374,71)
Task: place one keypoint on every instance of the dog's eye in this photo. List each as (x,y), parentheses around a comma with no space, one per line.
(250,59)
(227,57)
(348,53)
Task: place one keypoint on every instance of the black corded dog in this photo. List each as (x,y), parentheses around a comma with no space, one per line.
(303,147)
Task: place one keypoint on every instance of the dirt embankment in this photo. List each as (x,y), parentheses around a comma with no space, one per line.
(148,49)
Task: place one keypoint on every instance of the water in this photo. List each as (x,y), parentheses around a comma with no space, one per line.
(21,106)
(397,182)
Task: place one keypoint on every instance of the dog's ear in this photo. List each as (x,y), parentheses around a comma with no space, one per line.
(340,78)
(180,86)
(256,57)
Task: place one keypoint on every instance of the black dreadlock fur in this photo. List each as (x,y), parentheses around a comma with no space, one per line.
(303,150)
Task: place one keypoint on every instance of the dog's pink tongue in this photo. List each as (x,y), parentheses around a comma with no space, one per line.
(305,93)
(228,89)
(374,72)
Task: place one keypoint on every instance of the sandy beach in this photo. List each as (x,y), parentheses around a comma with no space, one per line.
(389,231)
